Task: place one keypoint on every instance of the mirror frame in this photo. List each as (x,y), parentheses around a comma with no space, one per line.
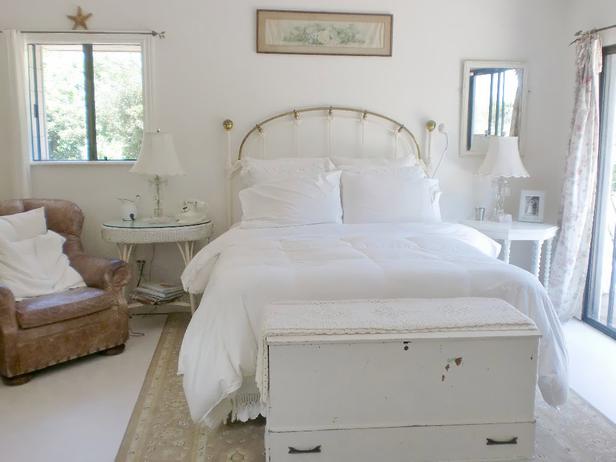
(471,64)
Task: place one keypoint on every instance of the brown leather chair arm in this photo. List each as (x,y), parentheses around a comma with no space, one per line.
(9,357)
(8,320)
(102,273)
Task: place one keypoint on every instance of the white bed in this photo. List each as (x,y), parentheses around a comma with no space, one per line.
(243,270)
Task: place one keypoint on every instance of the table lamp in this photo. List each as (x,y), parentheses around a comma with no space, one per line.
(502,162)
(157,160)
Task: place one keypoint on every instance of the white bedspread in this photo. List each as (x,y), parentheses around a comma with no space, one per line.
(245,269)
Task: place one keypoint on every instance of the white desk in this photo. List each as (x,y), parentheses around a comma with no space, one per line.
(538,233)
(127,234)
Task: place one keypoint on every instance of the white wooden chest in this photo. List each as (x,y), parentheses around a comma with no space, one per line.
(422,393)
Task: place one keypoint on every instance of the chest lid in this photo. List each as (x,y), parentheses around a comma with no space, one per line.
(401,318)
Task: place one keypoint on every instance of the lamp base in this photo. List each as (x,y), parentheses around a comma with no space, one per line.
(500,186)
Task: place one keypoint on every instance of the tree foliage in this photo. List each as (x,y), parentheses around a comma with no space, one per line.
(118,94)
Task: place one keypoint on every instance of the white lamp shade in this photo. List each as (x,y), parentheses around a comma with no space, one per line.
(157,156)
(503,159)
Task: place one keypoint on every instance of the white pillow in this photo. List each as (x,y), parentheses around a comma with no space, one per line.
(24,225)
(256,171)
(36,266)
(389,196)
(299,200)
(344,163)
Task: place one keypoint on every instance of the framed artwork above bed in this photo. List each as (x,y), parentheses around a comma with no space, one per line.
(323,33)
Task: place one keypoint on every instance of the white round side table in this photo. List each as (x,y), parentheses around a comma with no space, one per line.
(127,234)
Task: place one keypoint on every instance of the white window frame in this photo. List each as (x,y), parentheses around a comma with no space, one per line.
(145,41)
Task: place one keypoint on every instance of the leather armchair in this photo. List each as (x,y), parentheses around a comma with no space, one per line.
(41,331)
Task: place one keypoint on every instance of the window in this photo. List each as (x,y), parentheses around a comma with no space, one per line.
(86,100)
(494,99)
(600,300)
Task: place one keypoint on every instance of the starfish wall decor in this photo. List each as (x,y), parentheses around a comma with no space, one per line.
(80,20)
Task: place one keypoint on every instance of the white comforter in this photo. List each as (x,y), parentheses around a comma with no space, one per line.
(245,269)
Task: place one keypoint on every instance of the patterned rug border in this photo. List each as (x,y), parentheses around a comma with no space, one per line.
(167,335)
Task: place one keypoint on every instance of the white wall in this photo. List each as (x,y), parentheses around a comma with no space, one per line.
(207,70)
(590,14)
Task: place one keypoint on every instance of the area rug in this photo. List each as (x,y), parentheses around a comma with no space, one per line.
(160,429)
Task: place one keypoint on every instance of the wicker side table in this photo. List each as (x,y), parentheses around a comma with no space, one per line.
(127,234)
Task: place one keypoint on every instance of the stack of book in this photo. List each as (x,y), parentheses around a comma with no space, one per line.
(154,293)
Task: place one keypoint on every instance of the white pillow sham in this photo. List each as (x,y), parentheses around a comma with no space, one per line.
(256,171)
(389,195)
(297,200)
(36,266)
(23,225)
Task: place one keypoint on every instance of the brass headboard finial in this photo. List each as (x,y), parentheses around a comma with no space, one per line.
(227,125)
(430,125)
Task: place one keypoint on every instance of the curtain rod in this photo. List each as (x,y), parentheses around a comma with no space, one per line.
(153,33)
(579,34)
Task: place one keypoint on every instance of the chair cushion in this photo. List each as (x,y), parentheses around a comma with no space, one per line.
(70,304)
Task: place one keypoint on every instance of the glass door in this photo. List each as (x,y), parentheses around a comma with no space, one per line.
(600,298)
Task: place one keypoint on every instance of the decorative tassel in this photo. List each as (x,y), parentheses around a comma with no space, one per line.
(330,131)
(395,142)
(261,140)
(296,123)
(362,132)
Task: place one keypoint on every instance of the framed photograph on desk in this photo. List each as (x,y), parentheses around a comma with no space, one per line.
(532,206)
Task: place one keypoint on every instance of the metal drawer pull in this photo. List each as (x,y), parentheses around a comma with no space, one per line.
(491,442)
(315,450)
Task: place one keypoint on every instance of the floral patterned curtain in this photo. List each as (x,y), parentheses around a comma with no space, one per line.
(570,263)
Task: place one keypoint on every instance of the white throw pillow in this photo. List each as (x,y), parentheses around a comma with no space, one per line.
(256,171)
(36,266)
(24,225)
(299,200)
(345,163)
(389,196)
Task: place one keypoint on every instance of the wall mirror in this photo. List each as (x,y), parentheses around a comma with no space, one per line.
(493,103)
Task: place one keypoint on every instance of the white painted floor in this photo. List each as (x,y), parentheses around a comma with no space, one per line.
(77,411)
(592,366)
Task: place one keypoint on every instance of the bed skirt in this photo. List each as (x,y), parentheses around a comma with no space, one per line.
(242,405)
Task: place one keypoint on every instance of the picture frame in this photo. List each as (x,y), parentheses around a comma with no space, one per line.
(324,33)
(532,206)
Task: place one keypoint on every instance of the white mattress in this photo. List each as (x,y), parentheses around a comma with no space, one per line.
(246,269)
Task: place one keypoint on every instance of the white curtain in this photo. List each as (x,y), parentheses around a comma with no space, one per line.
(17,130)
(570,263)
